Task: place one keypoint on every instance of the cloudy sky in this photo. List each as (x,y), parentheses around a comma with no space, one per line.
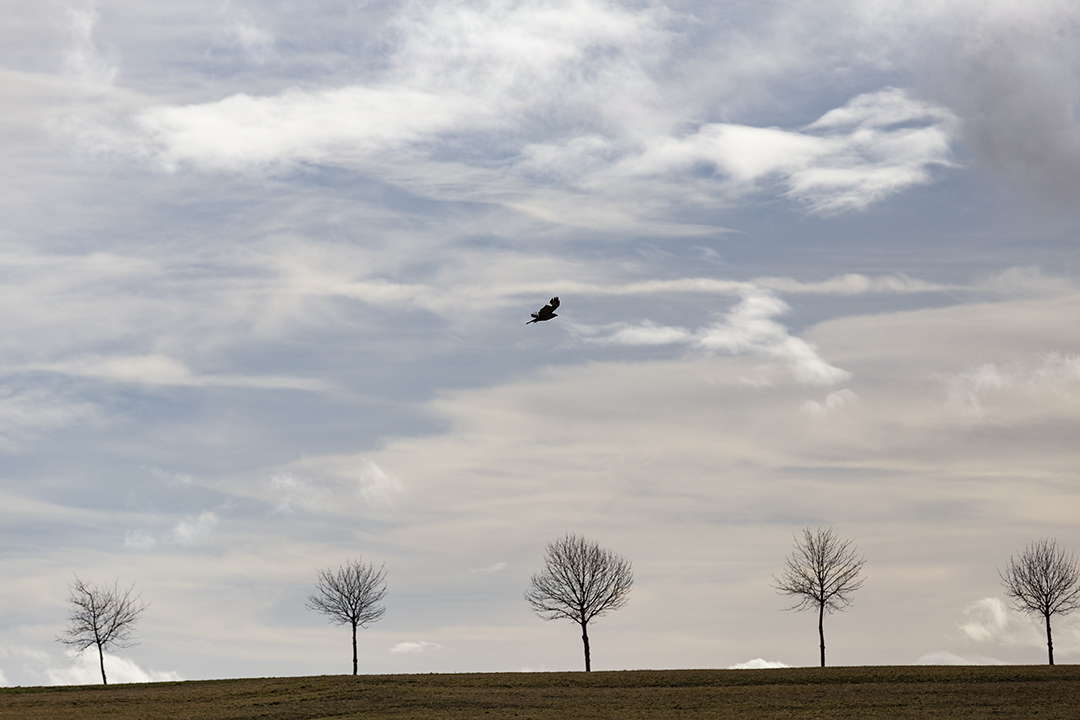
(265,269)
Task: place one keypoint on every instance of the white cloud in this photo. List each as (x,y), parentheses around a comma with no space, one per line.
(966,389)
(875,145)
(944,657)
(24,413)
(335,127)
(257,42)
(187,531)
(757,664)
(286,490)
(746,329)
(1023,382)
(851,284)
(42,668)
(84,670)
(84,60)
(163,370)
(1027,281)
(415,646)
(377,487)
(749,327)
(493,568)
(193,530)
(833,402)
(991,621)
(842,285)
(330,484)
(559,108)
(140,540)
(459,67)
(989,618)
(644,333)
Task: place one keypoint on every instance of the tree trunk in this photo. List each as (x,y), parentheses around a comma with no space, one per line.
(1049,640)
(821,631)
(585,640)
(354,648)
(101,661)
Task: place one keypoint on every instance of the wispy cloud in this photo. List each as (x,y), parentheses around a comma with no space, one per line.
(26,412)
(84,59)
(989,620)
(186,532)
(43,668)
(415,646)
(833,402)
(163,370)
(967,388)
(190,531)
(257,42)
(493,568)
(84,670)
(554,107)
(328,484)
(875,145)
(944,657)
(748,328)
(1054,374)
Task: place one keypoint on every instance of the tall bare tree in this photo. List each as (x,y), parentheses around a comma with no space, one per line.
(1045,581)
(822,573)
(101,616)
(351,595)
(580,581)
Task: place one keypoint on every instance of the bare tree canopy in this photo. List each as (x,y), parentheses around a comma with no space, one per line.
(580,581)
(101,616)
(1044,581)
(822,573)
(351,595)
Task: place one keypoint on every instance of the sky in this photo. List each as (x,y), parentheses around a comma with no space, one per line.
(265,269)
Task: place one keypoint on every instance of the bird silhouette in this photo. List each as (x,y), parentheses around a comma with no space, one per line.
(545,313)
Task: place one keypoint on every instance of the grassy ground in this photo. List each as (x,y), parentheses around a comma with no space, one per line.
(860,693)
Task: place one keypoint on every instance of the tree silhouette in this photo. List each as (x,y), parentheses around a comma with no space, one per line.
(101,616)
(1043,581)
(351,595)
(821,573)
(580,581)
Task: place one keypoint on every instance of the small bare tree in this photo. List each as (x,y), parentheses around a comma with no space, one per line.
(351,595)
(580,581)
(821,574)
(1045,581)
(101,616)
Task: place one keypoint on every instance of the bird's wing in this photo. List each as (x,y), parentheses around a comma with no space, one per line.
(554,304)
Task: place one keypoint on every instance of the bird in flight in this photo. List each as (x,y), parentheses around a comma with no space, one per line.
(545,313)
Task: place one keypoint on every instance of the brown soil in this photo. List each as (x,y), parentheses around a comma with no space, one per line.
(859,693)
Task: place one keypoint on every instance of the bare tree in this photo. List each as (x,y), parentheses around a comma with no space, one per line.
(821,574)
(580,581)
(1043,581)
(101,616)
(351,595)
